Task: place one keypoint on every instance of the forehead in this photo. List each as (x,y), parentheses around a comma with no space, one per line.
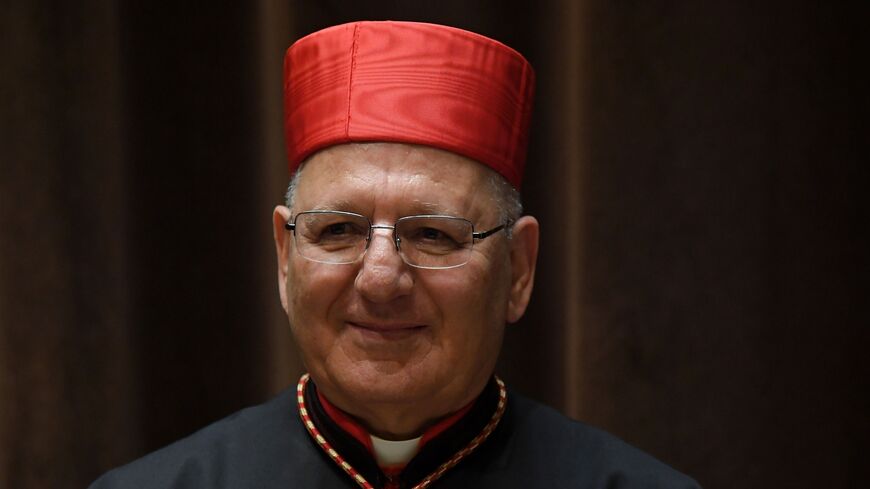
(365,177)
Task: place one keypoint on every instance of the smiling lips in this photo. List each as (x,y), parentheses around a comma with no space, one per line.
(387,330)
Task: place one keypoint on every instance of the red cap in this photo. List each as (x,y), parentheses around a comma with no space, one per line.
(409,82)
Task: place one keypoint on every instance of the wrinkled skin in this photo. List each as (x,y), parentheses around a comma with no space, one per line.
(395,346)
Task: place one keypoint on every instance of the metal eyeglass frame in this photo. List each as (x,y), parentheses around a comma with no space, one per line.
(291,226)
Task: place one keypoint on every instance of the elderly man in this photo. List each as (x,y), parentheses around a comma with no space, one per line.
(402,255)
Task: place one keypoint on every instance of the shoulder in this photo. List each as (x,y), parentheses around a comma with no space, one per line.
(569,453)
(247,449)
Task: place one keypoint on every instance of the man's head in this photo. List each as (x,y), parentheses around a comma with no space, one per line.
(400,332)
(381,334)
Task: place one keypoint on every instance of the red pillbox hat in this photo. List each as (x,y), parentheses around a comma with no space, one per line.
(409,82)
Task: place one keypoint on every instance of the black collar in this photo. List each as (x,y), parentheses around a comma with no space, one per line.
(427,461)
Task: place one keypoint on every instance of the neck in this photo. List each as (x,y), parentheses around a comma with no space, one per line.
(395,422)
(392,423)
(390,455)
(451,438)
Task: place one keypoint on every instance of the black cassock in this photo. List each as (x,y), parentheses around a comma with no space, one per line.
(268,447)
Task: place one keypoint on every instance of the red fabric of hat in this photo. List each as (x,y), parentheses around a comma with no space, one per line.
(409,82)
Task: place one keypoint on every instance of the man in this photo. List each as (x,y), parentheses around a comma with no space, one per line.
(402,255)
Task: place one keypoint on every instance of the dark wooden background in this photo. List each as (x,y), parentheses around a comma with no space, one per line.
(694,165)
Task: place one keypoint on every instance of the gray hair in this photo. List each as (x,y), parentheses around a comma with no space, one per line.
(290,196)
(506,199)
(503,195)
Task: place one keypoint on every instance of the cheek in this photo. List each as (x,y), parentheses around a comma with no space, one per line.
(312,291)
(473,308)
(473,304)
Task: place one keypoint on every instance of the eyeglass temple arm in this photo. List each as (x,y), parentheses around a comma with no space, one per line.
(484,234)
(289,226)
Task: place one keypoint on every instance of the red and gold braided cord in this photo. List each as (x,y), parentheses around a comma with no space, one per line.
(441,470)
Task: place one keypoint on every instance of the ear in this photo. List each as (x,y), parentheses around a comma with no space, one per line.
(524,257)
(282,247)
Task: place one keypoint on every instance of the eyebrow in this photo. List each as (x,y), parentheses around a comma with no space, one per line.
(431,208)
(416,207)
(336,205)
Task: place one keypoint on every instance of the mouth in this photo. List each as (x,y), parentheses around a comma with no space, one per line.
(387,331)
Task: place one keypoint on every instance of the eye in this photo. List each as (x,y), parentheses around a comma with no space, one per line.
(338,229)
(432,240)
(341,230)
(431,234)
(435,232)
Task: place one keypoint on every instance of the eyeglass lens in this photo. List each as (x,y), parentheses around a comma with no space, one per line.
(423,241)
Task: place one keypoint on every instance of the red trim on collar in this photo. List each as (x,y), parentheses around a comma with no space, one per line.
(441,426)
(427,481)
(345,422)
(356,430)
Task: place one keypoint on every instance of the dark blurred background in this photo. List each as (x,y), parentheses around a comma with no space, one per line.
(694,165)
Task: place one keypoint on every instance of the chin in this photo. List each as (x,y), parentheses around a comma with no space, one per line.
(385,382)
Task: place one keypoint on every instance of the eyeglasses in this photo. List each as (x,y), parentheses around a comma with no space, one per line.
(426,241)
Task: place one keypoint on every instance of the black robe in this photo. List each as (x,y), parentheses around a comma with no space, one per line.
(267,447)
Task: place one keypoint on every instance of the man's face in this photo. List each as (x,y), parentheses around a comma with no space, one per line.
(379,332)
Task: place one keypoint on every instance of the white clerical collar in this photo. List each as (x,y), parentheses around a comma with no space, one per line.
(389,452)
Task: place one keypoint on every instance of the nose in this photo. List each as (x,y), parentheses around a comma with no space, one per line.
(383,275)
